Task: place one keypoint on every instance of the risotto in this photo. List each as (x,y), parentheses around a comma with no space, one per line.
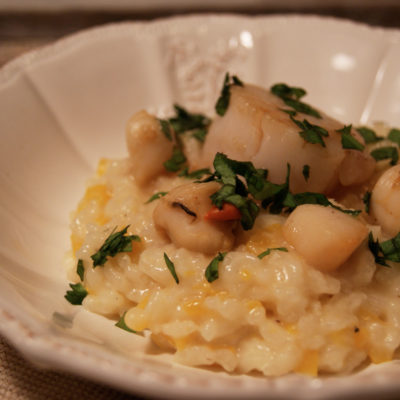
(264,240)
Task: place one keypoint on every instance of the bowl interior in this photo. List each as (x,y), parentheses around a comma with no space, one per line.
(65,106)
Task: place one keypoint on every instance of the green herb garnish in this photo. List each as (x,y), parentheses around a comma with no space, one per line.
(388,250)
(211,272)
(368,135)
(156,196)
(394,135)
(177,160)
(240,193)
(196,174)
(349,141)
(306,172)
(80,270)
(386,153)
(171,267)
(166,128)
(223,101)
(366,200)
(291,96)
(77,294)
(117,242)
(200,134)
(311,133)
(122,324)
(320,199)
(185,121)
(268,251)
(233,190)
(284,91)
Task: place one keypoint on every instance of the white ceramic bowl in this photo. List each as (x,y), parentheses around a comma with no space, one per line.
(65,106)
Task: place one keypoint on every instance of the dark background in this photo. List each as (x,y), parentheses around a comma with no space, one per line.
(22,29)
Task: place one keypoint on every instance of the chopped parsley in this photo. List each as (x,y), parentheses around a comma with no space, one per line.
(177,160)
(223,101)
(349,141)
(394,135)
(368,135)
(122,324)
(77,294)
(291,96)
(182,122)
(171,267)
(196,174)
(284,91)
(156,196)
(320,199)
(386,153)
(211,272)
(185,121)
(166,128)
(233,190)
(242,193)
(366,200)
(268,251)
(80,270)
(388,250)
(200,134)
(311,133)
(306,172)
(117,242)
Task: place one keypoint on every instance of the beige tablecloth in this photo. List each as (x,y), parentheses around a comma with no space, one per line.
(19,380)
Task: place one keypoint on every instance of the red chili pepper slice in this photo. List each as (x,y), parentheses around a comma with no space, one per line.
(228,212)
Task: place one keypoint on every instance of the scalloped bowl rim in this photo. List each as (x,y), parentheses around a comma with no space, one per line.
(49,351)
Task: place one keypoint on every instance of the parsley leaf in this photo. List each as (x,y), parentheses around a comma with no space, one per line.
(196,174)
(349,141)
(366,200)
(292,113)
(122,324)
(320,199)
(211,272)
(77,294)
(282,90)
(311,133)
(156,196)
(391,248)
(386,153)
(268,251)
(223,101)
(182,122)
(176,161)
(302,107)
(276,197)
(80,270)
(165,128)
(117,242)
(306,172)
(291,96)
(171,267)
(394,135)
(185,121)
(368,135)
(200,134)
(388,250)
(233,190)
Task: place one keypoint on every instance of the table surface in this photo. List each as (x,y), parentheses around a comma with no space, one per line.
(23,31)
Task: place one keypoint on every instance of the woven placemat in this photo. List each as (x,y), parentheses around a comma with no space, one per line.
(20,380)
